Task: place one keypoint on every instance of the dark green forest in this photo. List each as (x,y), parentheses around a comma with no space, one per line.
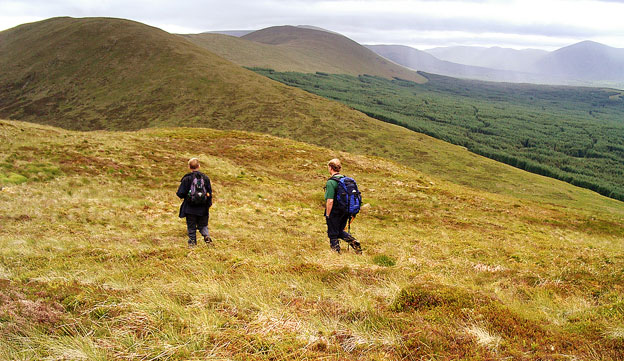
(575,134)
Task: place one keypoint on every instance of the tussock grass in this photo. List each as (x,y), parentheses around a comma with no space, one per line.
(616,333)
(484,337)
(383,260)
(93,262)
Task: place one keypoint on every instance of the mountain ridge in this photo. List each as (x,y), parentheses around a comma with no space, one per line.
(291,48)
(488,57)
(583,63)
(586,60)
(301,49)
(586,63)
(424,61)
(98,73)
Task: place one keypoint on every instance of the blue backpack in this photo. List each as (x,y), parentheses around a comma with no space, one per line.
(348,197)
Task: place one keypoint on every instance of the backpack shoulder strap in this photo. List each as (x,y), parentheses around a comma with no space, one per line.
(335,179)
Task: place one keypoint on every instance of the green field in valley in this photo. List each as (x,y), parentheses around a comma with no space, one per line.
(569,133)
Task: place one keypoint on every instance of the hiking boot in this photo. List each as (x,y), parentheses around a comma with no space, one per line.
(351,241)
(208,240)
(192,244)
(356,246)
(334,244)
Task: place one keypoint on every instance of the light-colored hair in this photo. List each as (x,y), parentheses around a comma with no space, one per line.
(193,163)
(335,165)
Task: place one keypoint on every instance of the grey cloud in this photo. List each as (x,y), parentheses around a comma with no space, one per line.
(220,15)
(403,22)
(422,41)
(267,13)
(216,15)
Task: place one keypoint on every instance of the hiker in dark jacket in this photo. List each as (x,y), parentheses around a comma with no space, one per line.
(196,214)
(335,217)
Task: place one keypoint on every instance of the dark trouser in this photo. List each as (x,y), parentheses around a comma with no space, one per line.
(195,223)
(336,223)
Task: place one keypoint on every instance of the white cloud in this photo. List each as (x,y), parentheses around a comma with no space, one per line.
(7,22)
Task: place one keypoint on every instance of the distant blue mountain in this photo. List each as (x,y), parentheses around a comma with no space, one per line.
(494,57)
(237,33)
(421,60)
(586,63)
(586,60)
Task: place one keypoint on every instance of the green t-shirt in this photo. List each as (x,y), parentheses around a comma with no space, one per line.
(330,187)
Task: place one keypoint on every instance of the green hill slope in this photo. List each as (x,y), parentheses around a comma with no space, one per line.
(289,48)
(253,54)
(93,263)
(101,73)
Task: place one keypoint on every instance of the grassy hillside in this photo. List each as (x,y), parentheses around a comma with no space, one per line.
(253,54)
(93,263)
(98,73)
(569,133)
(289,48)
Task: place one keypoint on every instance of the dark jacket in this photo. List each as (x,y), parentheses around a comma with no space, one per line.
(182,193)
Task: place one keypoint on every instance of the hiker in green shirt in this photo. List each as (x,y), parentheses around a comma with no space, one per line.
(335,217)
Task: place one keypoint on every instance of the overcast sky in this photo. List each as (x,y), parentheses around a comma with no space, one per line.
(544,24)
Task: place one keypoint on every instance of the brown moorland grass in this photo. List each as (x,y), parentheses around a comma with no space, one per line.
(93,263)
